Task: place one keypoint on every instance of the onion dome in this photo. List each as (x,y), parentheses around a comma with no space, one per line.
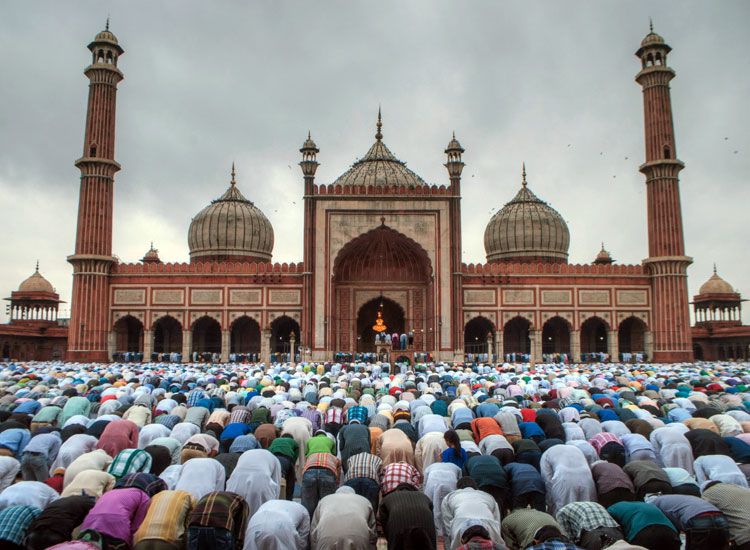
(107,37)
(603,258)
(526,229)
(231,228)
(152,256)
(36,283)
(716,285)
(379,167)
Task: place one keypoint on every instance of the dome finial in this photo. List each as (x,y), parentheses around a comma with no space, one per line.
(523,174)
(233,182)
(106,25)
(714,268)
(37,267)
(650,25)
(379,125)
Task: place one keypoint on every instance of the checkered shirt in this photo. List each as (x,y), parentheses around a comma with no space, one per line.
(14,521)
(130,461)
(397,473)
(364,465)
(324,460)
(583,516)
(357,413)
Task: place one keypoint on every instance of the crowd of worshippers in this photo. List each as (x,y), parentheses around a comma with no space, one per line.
(332,456)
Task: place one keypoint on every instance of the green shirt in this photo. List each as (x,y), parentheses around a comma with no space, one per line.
(634,516)
(48,414)
(319,444)
(285,446)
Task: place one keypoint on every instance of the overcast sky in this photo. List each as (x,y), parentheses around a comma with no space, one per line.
(208,83)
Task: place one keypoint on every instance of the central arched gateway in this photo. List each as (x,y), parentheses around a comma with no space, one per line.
(382,265)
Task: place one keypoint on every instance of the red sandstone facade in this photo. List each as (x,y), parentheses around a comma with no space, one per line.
(380,239)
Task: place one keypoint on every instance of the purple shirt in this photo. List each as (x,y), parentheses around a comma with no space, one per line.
(118,513)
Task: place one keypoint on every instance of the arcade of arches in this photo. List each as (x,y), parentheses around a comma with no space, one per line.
(206,340)
(397,271)
(519,340)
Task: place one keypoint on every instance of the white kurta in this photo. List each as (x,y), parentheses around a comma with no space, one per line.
(428,450)
(28,493)
(440,479)
(150,432)
(71,449)
(672,448)
(9,468)
(469,504)
(718,468)
(184,431)
(278,525)
(200,476)
(566,476)
(300,429)
(343,522)
(256,478)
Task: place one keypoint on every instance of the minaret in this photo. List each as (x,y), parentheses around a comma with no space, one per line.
(666,262)
(455,165)
(92,261)
(309,165)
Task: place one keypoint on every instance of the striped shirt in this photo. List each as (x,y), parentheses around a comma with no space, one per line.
(166,517)
(357,413)
(334,415)
(222,510)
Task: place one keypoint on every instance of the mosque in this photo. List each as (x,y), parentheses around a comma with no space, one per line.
(381,274)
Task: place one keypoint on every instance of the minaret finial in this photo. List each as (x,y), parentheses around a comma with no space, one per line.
(650,25)
(379,133)
(37,267)
(106,26)
(602,245)
(309,135)
(714,268)
(523,174)
(233,182)
(152,245)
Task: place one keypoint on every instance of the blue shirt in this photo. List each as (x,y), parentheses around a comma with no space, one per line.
(15,440)
(449,455)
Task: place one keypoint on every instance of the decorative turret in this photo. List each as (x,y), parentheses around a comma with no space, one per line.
(717,302)
(454,164)
(152,256)
(603,258)
(35,300)
(309,161)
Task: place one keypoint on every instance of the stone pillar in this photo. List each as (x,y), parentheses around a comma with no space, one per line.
(648,345)
(499,357)
(148,344)
(575,346)
(265,345)
(225,342)
(187,346)
(111,344)
(536,346)
(292,348)
(613,347)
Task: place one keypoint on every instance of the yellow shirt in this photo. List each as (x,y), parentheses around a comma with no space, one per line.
(166,517)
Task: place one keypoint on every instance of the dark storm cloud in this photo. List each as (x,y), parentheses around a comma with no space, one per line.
(208,83)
